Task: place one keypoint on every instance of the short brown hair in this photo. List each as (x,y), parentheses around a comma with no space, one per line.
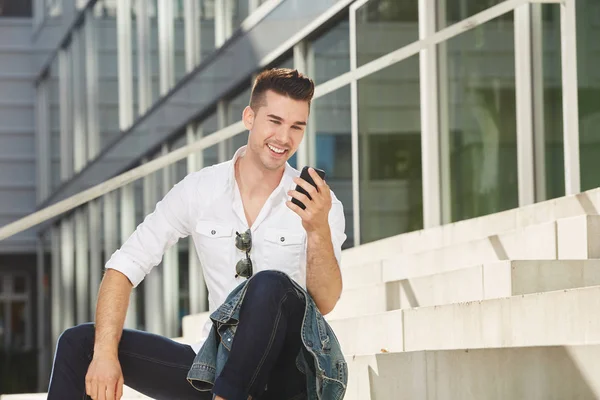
(283,81)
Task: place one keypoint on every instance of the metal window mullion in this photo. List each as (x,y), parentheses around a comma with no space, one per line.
(430,143)
(570,99)
(220,22)
(95,225)
(300,63)
(170,265)
(82,274)
(311,128)
(126,229)
(143,54)
(92,87)
(153,306)
(524,105)
(56,314)
(197,285)
(67,259)
(165,45)
(66,139)
(253,5)
(125,68)
(191,21)
(109,204)
(354,129)
(539,130)
(79,129)
(444,120)
(42,141)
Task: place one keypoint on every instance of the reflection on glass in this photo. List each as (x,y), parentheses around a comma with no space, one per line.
(383,26)
(53,8)
(331,53)
(333,149)
(458,10)
(108,88)
(480,79)
(206,13)
(389,128)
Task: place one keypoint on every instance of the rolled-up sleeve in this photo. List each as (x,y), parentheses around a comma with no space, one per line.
(337,224)
(160,230)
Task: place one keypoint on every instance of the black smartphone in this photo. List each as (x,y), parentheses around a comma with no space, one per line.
(306,176)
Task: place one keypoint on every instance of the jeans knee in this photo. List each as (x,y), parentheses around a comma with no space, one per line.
(79,334)
(269,281)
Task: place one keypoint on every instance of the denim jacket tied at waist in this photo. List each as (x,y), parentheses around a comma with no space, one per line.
(320,359)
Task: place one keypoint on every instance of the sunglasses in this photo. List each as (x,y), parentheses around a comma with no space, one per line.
(243,242)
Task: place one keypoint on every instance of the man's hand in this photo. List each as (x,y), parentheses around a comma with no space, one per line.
(104,379)
(315,218)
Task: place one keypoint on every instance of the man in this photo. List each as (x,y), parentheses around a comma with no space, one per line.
(246,198)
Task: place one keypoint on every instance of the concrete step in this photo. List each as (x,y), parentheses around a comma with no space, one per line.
(128,394)
(582,204)
(567,317)
(575,237)
(487,281)
(192,326)
(533,373)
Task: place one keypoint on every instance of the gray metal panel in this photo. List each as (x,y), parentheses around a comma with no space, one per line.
(231,65)
(17,142)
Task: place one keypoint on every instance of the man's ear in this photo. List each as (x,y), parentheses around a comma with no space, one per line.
(248,117)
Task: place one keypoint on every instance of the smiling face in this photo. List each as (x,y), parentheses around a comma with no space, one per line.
(276,129)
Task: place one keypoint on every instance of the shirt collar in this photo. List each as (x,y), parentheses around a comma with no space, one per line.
(287,180)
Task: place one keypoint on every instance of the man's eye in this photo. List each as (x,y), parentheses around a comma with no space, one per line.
(275,122)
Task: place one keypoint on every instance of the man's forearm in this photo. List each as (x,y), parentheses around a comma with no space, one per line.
(323,276)
(113,301)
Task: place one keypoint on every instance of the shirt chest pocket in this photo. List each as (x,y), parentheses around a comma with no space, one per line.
(283,249)
(215,241)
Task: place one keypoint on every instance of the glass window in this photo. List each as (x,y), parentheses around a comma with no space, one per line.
(481,126)
(239,11)
(458,10)
(19,284)
(108,88)
(209,126)
(16,8)
(54,102)
(334,149)
(234,114)
(331,53)
(18,324)
(53,8)
(3,325)
(383,26)
(134,57)
(1,284)
(206,26)
(389,128)
(154,50)
(179,35)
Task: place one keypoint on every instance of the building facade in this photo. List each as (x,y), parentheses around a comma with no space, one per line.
(426,112)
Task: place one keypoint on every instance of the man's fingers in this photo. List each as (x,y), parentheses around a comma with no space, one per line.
(317,179)
(111,390)
(120,384)
(312,191)
(299,196)
(296,209)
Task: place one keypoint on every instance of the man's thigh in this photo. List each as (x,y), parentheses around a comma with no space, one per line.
(157,366)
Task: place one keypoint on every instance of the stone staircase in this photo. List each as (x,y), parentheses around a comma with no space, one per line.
(504,306)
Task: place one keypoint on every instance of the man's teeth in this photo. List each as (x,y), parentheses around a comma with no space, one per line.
(276,150)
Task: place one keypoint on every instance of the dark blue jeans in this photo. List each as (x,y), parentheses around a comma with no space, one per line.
(263,354)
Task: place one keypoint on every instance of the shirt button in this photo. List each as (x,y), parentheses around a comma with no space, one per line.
(213,232)
(282,239)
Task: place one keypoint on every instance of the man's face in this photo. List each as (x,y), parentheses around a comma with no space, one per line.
(276,129)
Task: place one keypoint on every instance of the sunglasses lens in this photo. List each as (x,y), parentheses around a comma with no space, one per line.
(243,241)
(244,268)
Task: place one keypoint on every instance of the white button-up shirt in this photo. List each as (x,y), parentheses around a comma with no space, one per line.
(207,205)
